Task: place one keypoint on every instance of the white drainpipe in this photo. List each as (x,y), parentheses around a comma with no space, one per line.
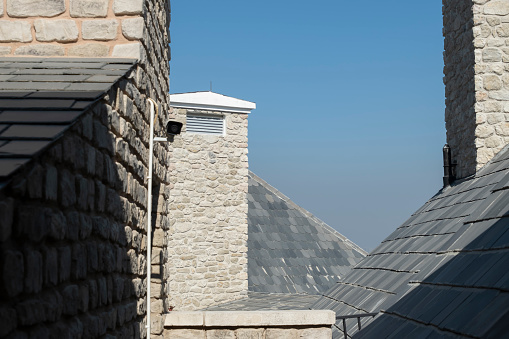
(149,212)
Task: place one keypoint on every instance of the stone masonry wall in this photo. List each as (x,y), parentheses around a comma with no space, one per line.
(73,228)
(310,324)
(208,202)
(476,80)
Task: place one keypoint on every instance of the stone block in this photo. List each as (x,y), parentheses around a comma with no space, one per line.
(15,31)
(281,333)
(89,8)
(184,334)
(50,269)
(497,7)
(34,222)
(13,272)
(270,318)
(5,50)
(71,299)
(57,225)
(6,218)
(133,28)
(315,333)
(51,183)
(250,333)
(221,334)
(91,50)
(122,7)
(56,30)
(28,8)
(157,325)
(64,263)
(491,55)
(30,312)
(78,261)
(102,30)
(127,51)
(8,320)
(40,50)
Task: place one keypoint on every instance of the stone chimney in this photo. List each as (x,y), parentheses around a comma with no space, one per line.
(208,200)
(91,28)
(476,80)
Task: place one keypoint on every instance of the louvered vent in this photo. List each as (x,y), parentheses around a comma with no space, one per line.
(206,124)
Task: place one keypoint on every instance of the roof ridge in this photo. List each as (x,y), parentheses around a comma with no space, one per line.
(308,214)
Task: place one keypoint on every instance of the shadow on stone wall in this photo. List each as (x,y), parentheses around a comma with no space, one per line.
(73,239)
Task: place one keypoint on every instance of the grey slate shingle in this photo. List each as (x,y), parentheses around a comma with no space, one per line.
(289,232)
(40,98)
(456,248)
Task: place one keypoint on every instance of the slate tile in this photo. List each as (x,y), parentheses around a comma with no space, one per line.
(38,116)
(49,78)
(14,94)
(487,317)
(20,148)
(90,95)
(89,86)
(8,166)
(35,104)
(103,78)
(32,131)
(465,312)
(34,85)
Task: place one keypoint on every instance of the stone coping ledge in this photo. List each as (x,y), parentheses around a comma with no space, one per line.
(250,318)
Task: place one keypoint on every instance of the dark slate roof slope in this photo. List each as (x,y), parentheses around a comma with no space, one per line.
(269,301)
(443,273)
(289,249)
(40,98)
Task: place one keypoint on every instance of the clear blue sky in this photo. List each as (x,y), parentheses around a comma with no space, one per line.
(350,101)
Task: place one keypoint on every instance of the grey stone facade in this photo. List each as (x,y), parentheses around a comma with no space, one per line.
(208,233)
(476,80)
(73,244)
(73,224)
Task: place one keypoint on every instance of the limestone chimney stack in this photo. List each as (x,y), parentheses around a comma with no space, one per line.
(476,80)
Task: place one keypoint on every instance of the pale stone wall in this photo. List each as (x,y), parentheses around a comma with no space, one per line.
(92,28)
(73,227)
(315,324)
(476,80)
(208,202)
(107,28)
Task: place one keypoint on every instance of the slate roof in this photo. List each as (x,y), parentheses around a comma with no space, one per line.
(292,255)
(40,98)
(269,301)
(289,249)
(443,273)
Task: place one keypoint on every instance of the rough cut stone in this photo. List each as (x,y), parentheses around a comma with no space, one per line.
(4,50)
(185,334)
(500,7)
(99,29)
(7,320)
(491,55)
(12,272)
(133,28)
(492,82)
(27,8)
(15,31)
(33,274)
(127,51)
(40,50)
(128,6)
(89,8)
(6,218)
(89,50)
(56,30)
